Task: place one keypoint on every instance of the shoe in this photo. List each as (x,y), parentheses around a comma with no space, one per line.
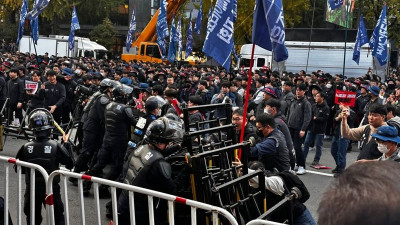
(301,171)
(335,170)
(327,137)
(296,168)
(315,163)
(109,212)
(338,173)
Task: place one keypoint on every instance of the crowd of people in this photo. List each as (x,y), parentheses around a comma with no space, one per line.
(287,114)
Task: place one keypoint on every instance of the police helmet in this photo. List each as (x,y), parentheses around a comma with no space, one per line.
(107,83)
(160,131)
(40,119)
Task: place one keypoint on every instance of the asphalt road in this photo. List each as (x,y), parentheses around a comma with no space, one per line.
(316,183)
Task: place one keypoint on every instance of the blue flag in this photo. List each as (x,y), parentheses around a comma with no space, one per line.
(189,38)
(362,39)
(172,42)
(268,28)
(334,4)
(162,28)
(234,10)
(35,30)
(209,16)
(179,36)
(235,56)
(219,39)
(131,31)
(378,41)
(37,9)
(197,26)
(74,26)
(24,10)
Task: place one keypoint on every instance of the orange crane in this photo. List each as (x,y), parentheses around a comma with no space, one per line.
(145,48)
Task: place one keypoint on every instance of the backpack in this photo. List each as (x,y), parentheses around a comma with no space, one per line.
(291,181)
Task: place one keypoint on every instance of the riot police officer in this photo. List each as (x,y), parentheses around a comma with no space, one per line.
(119,117)
(93,124)
(49,154)
(146,167)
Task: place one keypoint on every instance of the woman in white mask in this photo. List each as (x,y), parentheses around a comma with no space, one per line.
(388,140)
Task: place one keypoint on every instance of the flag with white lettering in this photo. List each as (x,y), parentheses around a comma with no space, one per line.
(179,36)
(131,31)
(189,38)
(362,39)
(24,9)
(172,42)
(197,26)
(219,39)
(334,4)
(209,16)
(74,26)
(269,29)
(37,9)
(162,28)
(378,41)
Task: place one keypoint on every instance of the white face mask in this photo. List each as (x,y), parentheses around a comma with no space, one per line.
(78,71)
(328,85)
(383,148)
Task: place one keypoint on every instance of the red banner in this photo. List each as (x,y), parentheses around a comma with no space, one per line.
(347,98)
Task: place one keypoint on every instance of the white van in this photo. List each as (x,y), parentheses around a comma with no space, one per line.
(261,58)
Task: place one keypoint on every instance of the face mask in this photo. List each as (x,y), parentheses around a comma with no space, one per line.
(383,148)
(259,133)
(77,71)
(391,86)
(266,112)
(328,85)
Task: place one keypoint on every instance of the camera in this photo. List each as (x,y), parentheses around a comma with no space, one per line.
(83,90)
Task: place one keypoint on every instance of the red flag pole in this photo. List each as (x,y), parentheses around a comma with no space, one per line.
(246,101)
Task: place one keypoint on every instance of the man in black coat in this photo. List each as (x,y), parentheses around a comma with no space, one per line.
(320,115)
(15,92)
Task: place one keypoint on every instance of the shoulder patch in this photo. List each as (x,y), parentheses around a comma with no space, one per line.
(104,100)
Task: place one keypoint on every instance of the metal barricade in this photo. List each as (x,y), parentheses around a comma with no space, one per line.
(171,199)
(263,222)
(7,162)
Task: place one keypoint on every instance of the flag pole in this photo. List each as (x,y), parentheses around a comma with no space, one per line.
(345,35)
(246,101)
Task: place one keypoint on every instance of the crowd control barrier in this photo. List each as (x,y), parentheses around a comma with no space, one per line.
(171,199)
(8,161)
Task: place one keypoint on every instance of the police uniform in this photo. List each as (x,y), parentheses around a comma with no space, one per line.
(48,154)
(118,119)
(93,129)
(147,168)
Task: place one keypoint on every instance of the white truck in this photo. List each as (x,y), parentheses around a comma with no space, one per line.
(326,56)
(58,46)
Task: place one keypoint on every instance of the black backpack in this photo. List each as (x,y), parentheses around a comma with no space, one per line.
(291,181)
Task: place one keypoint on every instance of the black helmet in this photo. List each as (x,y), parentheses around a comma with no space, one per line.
(160,131)
(107,83)
(40,119)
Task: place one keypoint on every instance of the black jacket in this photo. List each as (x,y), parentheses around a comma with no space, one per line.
(15,90)
(54,94)
(321,112)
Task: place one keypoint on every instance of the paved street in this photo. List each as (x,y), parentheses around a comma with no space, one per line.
(316,184)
